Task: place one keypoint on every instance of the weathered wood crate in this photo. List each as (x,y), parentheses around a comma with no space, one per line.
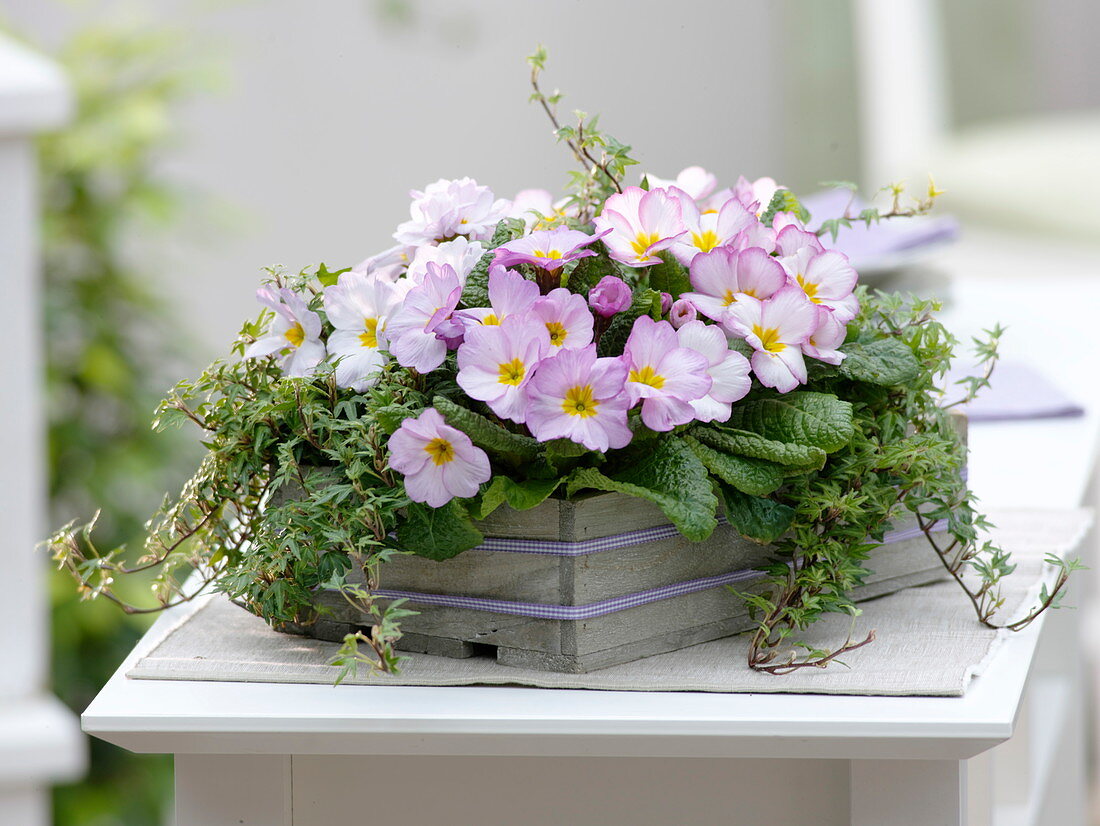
(600,561)
(589,579)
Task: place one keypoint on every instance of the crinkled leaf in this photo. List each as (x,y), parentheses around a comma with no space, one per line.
(753,476)
(888,362)
(476,291)
(670,276)
(802,417)
(747,443)
(562,455)
(519,495)
(499,441)
(784,201)
(437,533)
(756,517)
(588,273)
(668,475)
(646,302)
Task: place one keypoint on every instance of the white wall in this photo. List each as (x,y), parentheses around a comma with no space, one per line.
(330,114)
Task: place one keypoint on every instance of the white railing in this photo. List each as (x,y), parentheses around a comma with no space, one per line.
(40,741)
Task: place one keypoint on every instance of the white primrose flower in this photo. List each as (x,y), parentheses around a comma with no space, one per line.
(358,306)
(294,335)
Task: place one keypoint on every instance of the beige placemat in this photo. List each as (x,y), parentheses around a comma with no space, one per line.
(928,642)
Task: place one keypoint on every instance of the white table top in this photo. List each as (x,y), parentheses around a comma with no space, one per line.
(1009,465)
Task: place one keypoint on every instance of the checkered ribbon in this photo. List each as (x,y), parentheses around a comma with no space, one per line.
(607,606)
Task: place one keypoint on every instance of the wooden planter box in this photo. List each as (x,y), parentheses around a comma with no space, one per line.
(579,645)
(586,577)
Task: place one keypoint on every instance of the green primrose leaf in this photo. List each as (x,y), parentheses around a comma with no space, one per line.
(747,443)
(667,474)
(437,533)
(784,201)
(327,278)
(493,438)
(802,417)
(753,476)
(888,362)
(670,276)
(519,495)
(756,517)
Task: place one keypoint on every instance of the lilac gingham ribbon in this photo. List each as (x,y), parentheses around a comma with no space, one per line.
(608,606)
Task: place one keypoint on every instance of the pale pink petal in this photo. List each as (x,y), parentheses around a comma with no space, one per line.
(710,306)
(463,475)
(790,312)
(845,309)
(685,373)
(835,277)
(791,239)
(661,213)
(730,378)
(607,377)
(703,338)
(266,346)
(421,351)
(304,359)
(407,453)
(480,383)
(756,235)
(773,371)
(427,486)
(733,218)
(714,272)
(758,274)
(666,412)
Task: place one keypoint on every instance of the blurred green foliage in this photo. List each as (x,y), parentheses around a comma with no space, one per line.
(110,347)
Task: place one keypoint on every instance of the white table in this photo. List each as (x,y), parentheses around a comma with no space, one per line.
(305,755)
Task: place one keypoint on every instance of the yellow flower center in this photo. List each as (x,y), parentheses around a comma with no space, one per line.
(440,450)
(647,375)
(643,242)
(295,335)
(558,333)
(579,401)
(369,336)
(810,288)
(552,254)
(512,372)
(490,319)
(705,241)
(769,339)
(728,298)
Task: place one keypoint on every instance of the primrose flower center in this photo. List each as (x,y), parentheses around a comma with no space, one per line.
(295,335)
(440,450)
(769,339)
(369,336)
(579,401)
(643,242)
(811,289)
(512,372)
(490,319)
(554,255)
(558,333)
(705,241)
(647,375)
(728,298)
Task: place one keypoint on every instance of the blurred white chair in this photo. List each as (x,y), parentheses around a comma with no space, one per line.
(40,740)
(1041,174)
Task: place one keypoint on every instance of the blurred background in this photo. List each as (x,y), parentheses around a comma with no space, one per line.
(211,139)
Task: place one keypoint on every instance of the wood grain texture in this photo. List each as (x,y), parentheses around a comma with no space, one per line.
(585,645)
